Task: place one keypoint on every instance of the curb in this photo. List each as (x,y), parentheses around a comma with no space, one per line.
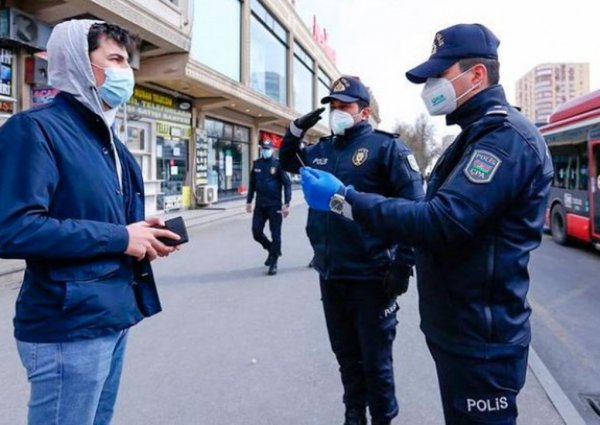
(557,396)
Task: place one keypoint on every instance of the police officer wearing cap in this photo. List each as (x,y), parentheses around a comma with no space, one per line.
(268,180)
(482,216)
(360,274)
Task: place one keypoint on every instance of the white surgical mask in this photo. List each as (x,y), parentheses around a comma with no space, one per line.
(340,121)
(440,97)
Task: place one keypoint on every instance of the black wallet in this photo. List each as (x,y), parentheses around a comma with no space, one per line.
(175,225)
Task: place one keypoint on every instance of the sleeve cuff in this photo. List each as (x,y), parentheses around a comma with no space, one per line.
(119,239)
(296,132)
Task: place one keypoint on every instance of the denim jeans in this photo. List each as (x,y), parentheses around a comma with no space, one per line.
(73,383)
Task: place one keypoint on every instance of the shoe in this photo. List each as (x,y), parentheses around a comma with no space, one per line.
(273,267)
(355,416)
(269,260)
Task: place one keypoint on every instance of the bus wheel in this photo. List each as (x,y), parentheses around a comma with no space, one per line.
(558,225)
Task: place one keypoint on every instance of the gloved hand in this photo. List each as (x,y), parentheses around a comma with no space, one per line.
(396,281)
(309,120)
(318,187)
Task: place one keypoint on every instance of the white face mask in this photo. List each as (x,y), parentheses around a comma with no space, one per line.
(440,97)
(340,121)
(110,116)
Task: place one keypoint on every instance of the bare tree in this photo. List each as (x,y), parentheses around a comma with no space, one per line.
(420,138)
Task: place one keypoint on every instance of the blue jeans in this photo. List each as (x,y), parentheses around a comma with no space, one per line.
(73,383)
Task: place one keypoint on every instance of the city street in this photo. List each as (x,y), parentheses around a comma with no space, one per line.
(236,347)
(565,295)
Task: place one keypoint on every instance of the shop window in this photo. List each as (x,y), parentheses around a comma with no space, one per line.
(228,157)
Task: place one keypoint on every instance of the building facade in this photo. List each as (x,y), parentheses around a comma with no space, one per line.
(212,79)
(546,86)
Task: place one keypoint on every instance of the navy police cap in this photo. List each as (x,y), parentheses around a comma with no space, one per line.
(267,144)
(452,44)
(348,90)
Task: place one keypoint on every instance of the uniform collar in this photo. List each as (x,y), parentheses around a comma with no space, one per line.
(357,130)
(476,107)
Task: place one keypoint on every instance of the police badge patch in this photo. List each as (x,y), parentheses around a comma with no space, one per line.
(412,161)
(482,166)
(273,170)
(360,156)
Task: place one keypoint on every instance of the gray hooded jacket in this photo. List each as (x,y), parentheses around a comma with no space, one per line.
(70,69)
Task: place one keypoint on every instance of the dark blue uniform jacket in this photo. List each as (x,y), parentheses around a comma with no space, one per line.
(482,216)
(267,179)
(64,212)
(371,161)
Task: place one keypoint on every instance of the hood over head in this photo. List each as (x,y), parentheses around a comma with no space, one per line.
(69,66)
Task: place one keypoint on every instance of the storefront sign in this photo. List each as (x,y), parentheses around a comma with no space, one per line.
(276,139)
(173,131)
(6,60)
(7,107)
(147,103)
(201,157)
(40,96)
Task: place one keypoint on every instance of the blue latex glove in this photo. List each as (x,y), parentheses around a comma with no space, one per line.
(318,187)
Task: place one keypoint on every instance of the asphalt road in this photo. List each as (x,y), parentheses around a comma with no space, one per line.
(237,347)
(565,297)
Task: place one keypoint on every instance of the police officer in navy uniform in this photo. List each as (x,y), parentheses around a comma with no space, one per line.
(360,274)
(268,180)
(483,215)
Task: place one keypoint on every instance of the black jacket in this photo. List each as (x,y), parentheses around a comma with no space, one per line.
(267,180)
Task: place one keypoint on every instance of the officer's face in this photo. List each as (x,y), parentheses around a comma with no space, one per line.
(351,108)
(471,82)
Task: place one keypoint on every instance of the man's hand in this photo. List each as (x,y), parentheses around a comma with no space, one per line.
(318,187)
(248,208)
(309,120)
(396,281)
(143,242)
(285,210)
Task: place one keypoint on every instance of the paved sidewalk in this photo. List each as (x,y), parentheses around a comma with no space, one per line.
(536,401)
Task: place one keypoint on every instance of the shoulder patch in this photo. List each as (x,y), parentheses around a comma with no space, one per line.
(394,135)
(497,110)
(412,161)
(482,166)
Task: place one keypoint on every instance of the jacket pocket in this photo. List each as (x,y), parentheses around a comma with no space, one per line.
(101,296)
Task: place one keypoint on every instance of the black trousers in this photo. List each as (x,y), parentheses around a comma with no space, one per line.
(361,321)
(259,219)
(479,391)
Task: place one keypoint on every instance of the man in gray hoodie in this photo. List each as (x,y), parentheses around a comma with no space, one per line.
(73,208)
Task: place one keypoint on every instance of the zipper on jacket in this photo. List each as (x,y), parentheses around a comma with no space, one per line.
(487,306)
(328,223)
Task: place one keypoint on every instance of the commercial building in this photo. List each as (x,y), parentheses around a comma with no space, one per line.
(213,79)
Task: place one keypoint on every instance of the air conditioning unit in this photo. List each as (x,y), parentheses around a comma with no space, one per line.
(23,29)
(206,194)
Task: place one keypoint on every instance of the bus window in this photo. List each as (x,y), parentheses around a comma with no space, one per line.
(583,172)
(561,163)
(572,172)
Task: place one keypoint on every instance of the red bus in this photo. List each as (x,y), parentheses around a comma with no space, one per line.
(573,137)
